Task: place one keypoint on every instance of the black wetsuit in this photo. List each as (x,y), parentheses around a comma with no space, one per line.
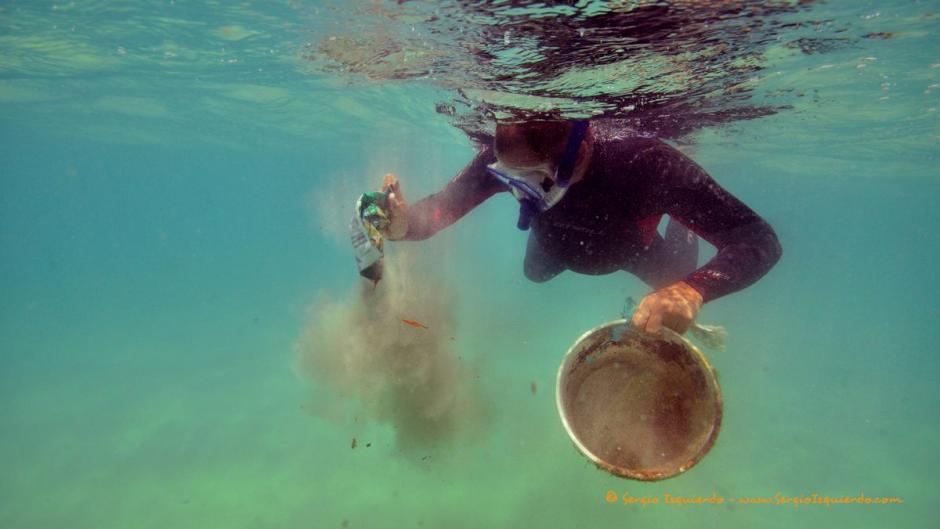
(608,221)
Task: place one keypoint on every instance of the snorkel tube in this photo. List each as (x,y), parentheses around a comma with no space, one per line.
(570,156)
(528,209)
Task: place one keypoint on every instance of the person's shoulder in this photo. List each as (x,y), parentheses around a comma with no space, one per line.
(487,153)
(484,155)
(624,144)
(475,170)
(482,143)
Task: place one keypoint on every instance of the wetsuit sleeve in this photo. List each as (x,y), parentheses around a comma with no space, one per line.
(467,190)
(747,245)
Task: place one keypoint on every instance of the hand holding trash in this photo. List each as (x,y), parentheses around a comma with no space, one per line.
(379,215)
(397,210)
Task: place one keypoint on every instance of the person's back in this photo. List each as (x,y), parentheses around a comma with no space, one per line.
(609,217)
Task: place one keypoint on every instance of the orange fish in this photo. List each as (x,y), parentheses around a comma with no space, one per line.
(415,324)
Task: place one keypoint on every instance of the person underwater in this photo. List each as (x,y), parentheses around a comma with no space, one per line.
(592,197)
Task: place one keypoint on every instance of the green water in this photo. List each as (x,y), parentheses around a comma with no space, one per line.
(174,190)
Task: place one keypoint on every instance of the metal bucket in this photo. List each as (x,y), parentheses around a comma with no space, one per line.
(639,406)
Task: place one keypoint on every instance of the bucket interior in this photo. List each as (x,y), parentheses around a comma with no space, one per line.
(641,407)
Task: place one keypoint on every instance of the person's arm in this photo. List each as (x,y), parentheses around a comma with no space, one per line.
(747,246)
(466,191)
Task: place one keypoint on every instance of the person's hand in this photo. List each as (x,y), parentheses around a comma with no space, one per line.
(397,209)
(674,306)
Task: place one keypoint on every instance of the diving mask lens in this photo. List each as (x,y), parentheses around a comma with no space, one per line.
(535,184)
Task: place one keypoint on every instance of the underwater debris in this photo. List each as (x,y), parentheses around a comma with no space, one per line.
(811,46)
(415,324)
(366,366)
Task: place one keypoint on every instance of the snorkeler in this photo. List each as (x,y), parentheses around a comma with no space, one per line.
(593,199)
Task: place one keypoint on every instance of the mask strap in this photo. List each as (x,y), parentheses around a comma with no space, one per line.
(570,157)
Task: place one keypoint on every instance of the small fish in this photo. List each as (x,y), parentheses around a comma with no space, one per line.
(415,324)
(353,443)
(533,387)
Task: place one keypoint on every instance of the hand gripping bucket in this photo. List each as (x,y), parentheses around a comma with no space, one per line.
(639,405)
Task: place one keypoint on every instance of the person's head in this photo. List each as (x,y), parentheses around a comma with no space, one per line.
(539,160)
(536,145)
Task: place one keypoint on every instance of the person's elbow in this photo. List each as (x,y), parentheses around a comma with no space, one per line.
(772,250)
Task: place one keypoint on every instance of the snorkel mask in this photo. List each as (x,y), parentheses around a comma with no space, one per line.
(537,189)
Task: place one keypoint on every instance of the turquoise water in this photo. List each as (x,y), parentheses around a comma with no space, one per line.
(176,182)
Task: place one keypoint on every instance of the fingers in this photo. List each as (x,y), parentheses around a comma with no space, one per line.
(655,322)
(397,208)
(396,200)
(391,182)
(667,307)
(396,205)
(677,322)
(647,317)
(673,317)
(640,315)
